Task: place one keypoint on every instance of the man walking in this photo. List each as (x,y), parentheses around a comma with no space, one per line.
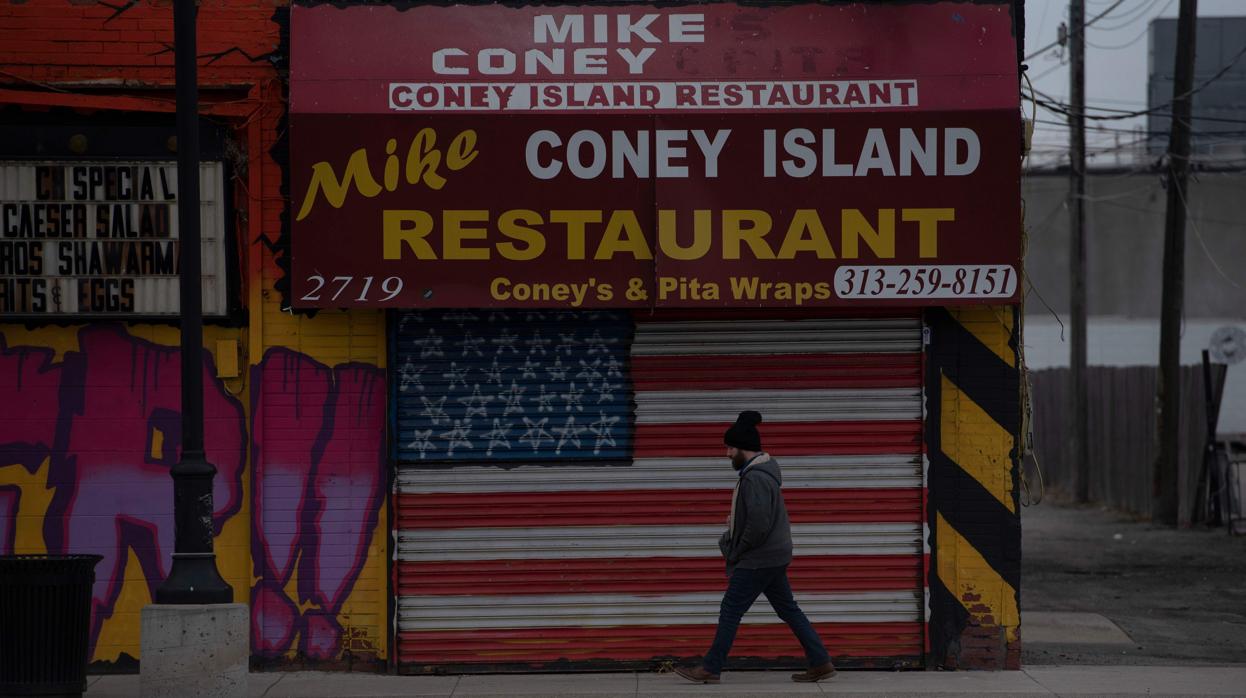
(758,549)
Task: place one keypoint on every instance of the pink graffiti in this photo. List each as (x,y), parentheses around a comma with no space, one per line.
(317,485)
(109,419)
(28,422)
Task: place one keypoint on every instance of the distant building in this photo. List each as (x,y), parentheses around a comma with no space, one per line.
(1218,138)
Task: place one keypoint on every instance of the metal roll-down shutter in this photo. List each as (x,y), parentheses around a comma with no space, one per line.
(579,531)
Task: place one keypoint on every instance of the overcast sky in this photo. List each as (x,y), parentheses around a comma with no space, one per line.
(1116,65)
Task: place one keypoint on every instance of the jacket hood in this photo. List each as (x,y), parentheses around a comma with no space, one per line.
(766,463)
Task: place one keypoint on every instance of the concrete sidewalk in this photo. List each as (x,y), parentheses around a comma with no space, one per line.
(1162,596)
(1035,681)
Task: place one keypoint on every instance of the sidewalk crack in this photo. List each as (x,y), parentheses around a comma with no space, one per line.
(1034,678)
(280,677)
(454,689)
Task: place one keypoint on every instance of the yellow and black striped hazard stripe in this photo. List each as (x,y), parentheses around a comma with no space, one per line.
(973,414)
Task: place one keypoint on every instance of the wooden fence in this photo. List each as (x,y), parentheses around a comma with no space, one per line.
(1122,435)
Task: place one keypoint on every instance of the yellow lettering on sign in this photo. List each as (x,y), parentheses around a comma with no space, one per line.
(928,220)
(854,227)
(668,235)
(462,150)
(623,234)
(391,165)
(423,163)
(335,190)
(795,241)
(456,233)
(748,226)
(575,222)
(423,160)
(523,235)
(515,225)
(410,227)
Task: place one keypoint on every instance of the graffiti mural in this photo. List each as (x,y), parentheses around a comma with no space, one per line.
(89,430)
(29,384)
(104,426)
(318,487)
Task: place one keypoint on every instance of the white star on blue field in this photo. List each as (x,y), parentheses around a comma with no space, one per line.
(513,385)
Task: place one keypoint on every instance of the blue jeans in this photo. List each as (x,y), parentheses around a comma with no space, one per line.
(743,589)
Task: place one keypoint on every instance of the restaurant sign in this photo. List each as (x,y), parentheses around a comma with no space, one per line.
(655,156)
(91,239)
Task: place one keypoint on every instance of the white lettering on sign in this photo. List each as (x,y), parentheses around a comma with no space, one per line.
(590,55)
(621,45)
(587,153)
(803,153)
(679,28)
(81,238)
(591,60)
(795,153)
(789,95)
(441,61)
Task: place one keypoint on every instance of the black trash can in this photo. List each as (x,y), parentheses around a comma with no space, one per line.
(45,623)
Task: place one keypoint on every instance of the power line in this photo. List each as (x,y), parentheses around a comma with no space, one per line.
(1199,236)
(1160,214)
(1110,130)
(1049,71)
(1127,44)
(1094,19)
(1108,100)
(1132,16)
(1042,23)
(1100,149)
(1065,110)
(1125,114)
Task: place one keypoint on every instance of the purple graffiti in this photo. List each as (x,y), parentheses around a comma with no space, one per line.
(28,422)
(107,417)
(317,485)
(108,420)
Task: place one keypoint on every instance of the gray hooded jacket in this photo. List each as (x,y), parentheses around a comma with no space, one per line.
(759,534)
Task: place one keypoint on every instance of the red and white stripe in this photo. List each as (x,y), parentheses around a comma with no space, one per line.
(535,564)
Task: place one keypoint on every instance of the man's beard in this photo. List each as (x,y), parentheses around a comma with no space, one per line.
(739,460)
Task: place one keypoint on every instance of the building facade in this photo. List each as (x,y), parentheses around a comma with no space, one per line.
(441,448)
(1218,106)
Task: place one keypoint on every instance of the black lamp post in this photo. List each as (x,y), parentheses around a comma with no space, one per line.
(194,578)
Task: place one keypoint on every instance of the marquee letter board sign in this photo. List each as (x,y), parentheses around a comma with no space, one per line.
(101,239)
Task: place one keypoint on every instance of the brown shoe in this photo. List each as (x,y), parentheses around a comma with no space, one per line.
(817,673)
(696,674)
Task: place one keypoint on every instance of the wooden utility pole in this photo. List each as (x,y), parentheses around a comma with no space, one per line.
(1079,435)
(1164,505)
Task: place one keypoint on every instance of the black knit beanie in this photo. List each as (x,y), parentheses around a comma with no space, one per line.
(743,434)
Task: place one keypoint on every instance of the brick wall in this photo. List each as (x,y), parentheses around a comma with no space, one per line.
(301,508)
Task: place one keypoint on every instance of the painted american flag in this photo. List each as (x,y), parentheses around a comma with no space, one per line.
(543,386)
(527,563)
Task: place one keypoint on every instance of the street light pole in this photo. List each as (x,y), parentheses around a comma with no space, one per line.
(193,578)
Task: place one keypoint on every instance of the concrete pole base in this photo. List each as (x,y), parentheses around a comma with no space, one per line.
(195,651)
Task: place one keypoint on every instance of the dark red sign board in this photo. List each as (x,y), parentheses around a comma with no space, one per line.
(639,156)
